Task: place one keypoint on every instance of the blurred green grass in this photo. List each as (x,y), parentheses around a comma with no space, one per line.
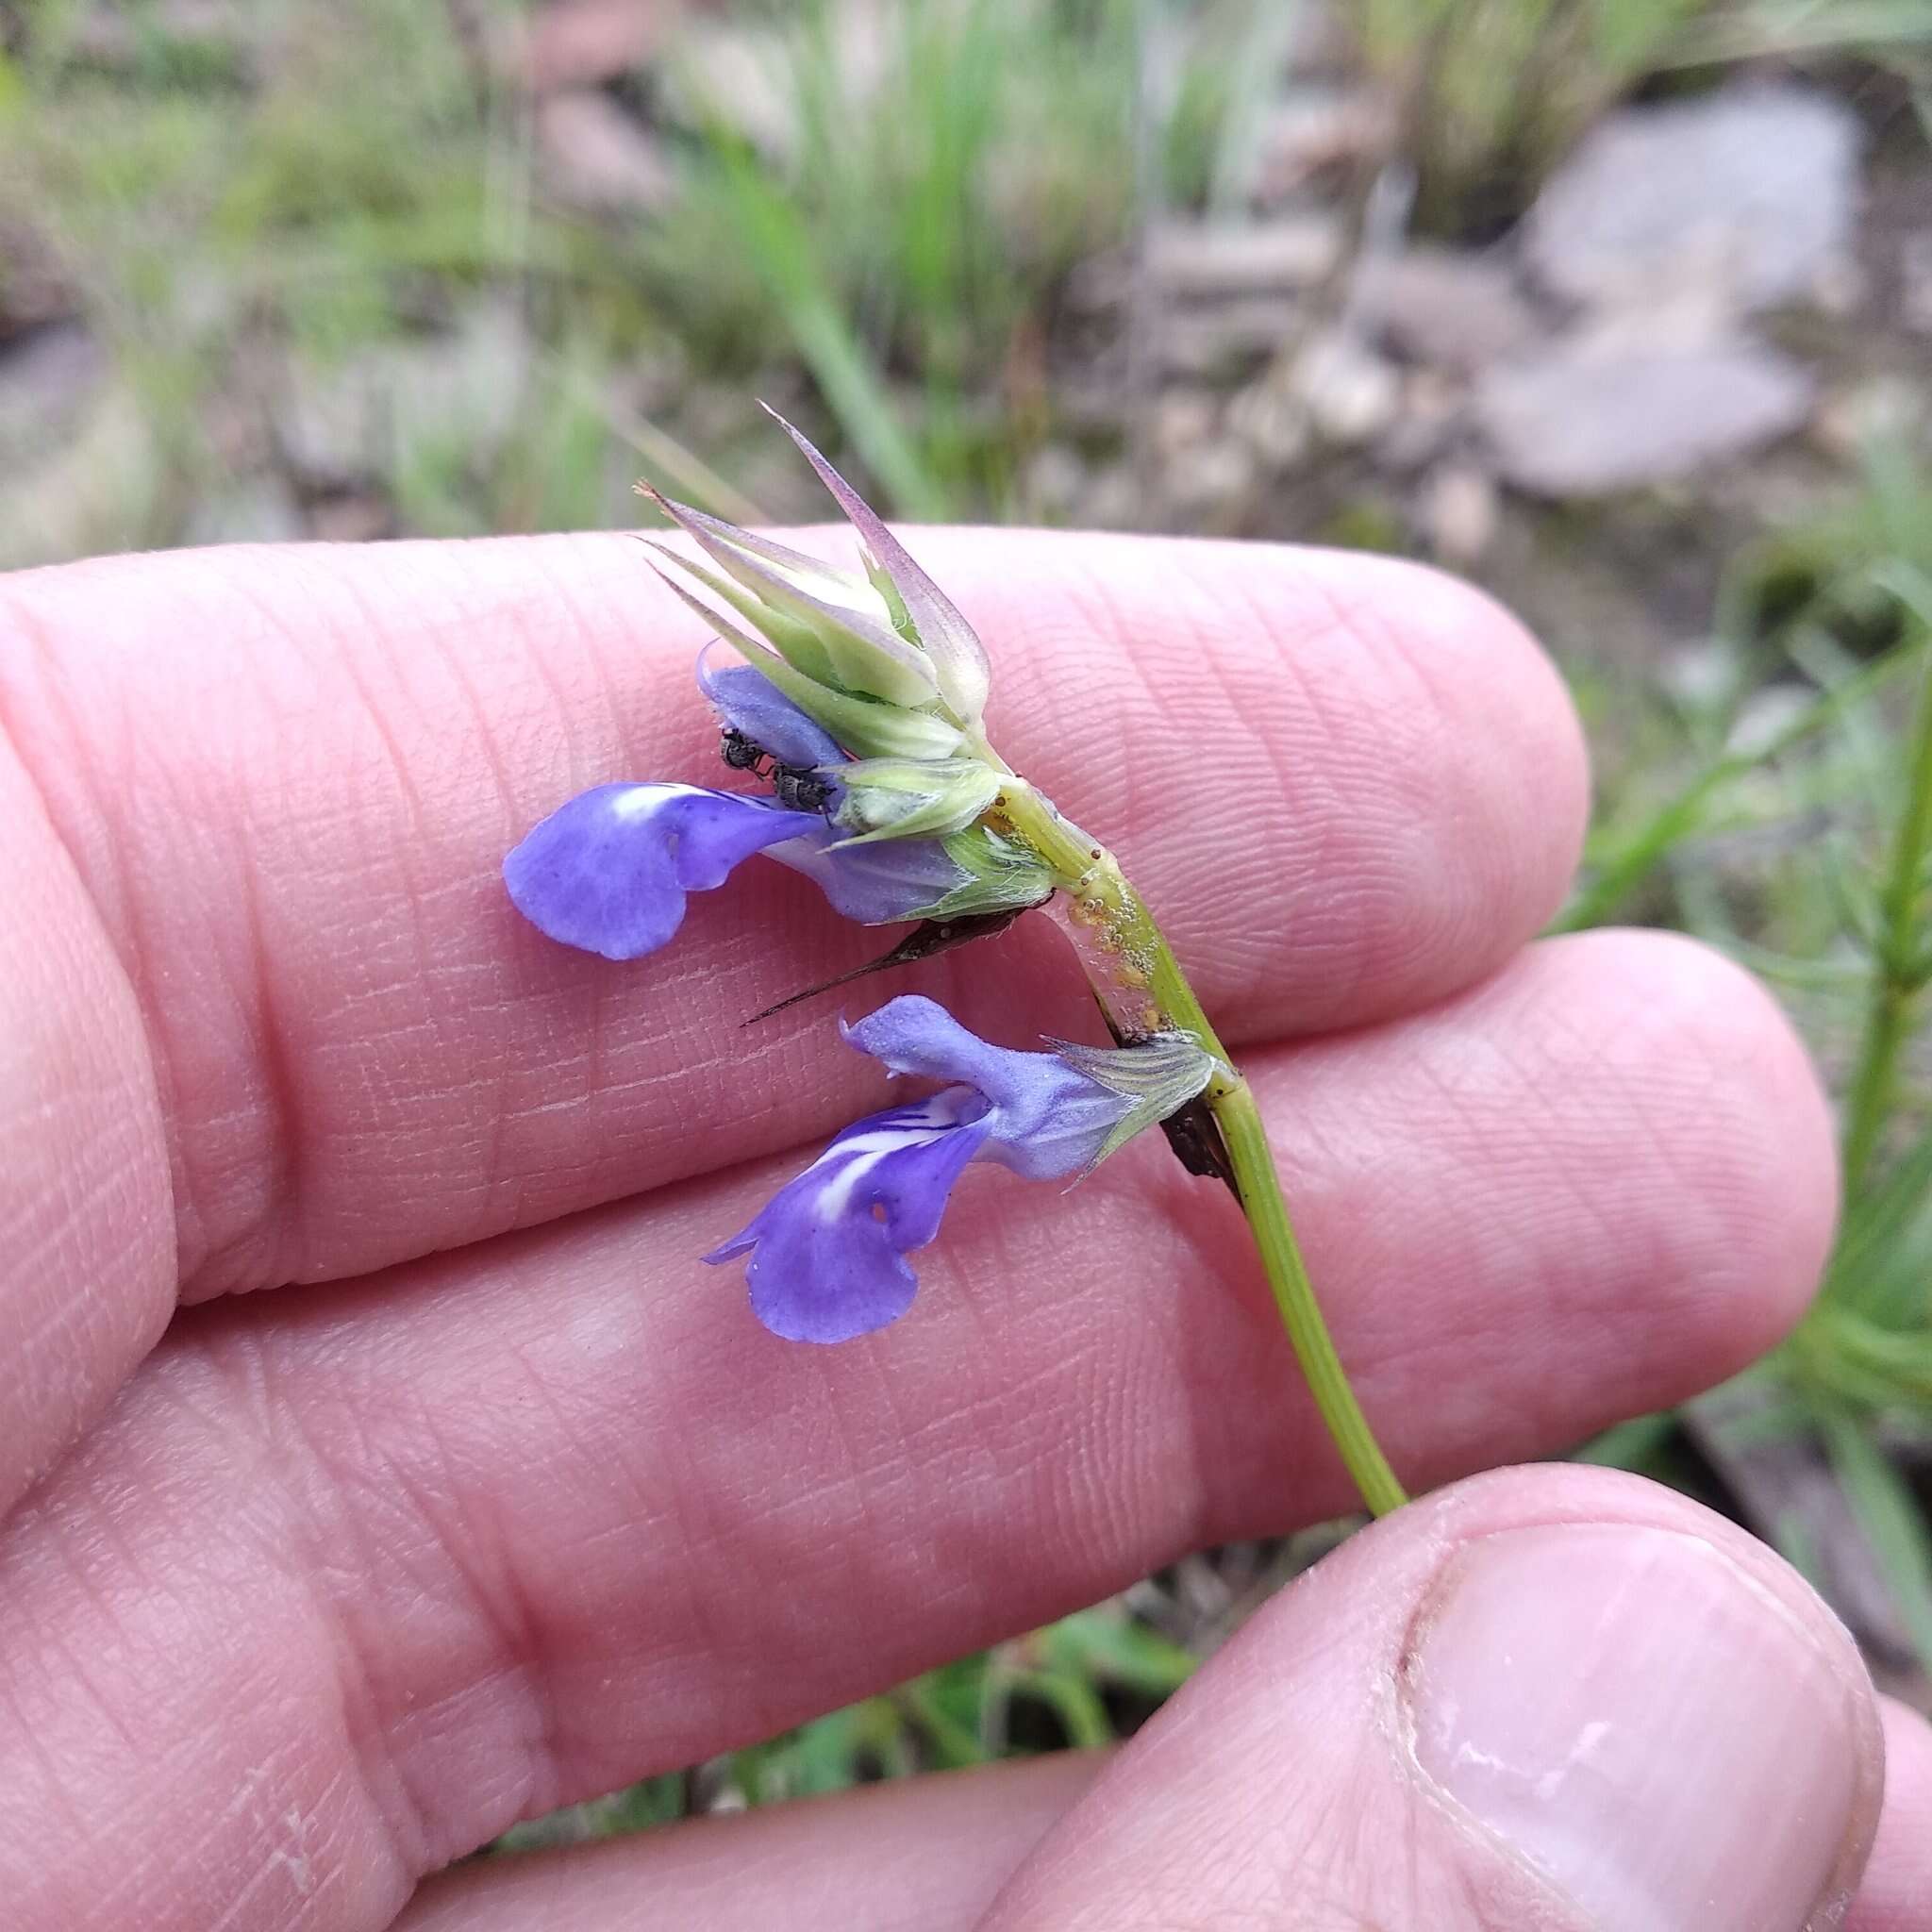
(323,249)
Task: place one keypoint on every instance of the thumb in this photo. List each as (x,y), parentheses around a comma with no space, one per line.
(1549,1698)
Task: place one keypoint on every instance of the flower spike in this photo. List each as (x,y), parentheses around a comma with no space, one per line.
(860,702)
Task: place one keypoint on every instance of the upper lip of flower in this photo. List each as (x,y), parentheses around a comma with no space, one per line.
(753,706)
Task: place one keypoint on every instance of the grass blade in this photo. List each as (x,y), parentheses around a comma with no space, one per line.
(779,247)
(1889,1516)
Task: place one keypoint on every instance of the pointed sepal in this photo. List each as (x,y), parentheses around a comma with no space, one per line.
(1159,1074)
(913,798)
(958,658)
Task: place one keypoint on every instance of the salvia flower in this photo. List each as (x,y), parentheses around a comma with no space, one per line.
(827,1253)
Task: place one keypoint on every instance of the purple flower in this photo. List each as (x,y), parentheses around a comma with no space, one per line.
(609,871)
(828,1251)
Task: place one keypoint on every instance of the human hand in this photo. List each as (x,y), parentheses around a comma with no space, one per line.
(499,1499)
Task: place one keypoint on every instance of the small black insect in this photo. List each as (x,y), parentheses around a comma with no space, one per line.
(801,791)
(740,753)
(798,788)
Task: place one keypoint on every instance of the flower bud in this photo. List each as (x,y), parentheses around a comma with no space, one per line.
(829,623)
(913,798)
(1002,876)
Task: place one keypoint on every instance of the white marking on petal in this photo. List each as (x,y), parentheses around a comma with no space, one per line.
(642,801)
(836,1195)
(861,1154)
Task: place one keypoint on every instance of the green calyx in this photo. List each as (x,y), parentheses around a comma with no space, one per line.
(1159,1075)
(913,798)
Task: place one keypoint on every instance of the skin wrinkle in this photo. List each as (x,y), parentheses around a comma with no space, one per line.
(283,1138)
(1312,855)
(1380,894)
(284,1446)
(80,1322)
(396,761)
(1110,790)
(504,1609)
(108,1783)
(79,1062)
(140,948)
(277,1866)
(559,705)
(115,904)
(262,1243)
(498,1176)
(1404,1356)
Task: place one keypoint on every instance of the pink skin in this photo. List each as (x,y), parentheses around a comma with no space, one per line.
(335,1582)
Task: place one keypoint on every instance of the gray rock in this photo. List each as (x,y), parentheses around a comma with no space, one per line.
(1197,266)
(1351,393)
(1207,477)
(341,425)
(594,156)
(1183,419)
(1459,512)
(1273,420)
(1210,259)
(258,508)
(1588,418)
(46,378)
(1452,310)
(1752,189)
(1429,421)
(1211,340)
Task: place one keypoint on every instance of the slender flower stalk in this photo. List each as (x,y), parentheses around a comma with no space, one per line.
(862,701)
(1141,987)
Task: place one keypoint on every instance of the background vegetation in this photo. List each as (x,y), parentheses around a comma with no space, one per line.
(379,267)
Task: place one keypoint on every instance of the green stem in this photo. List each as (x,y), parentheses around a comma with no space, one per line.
(1142,987)
(1294,1296)
(1898,976)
